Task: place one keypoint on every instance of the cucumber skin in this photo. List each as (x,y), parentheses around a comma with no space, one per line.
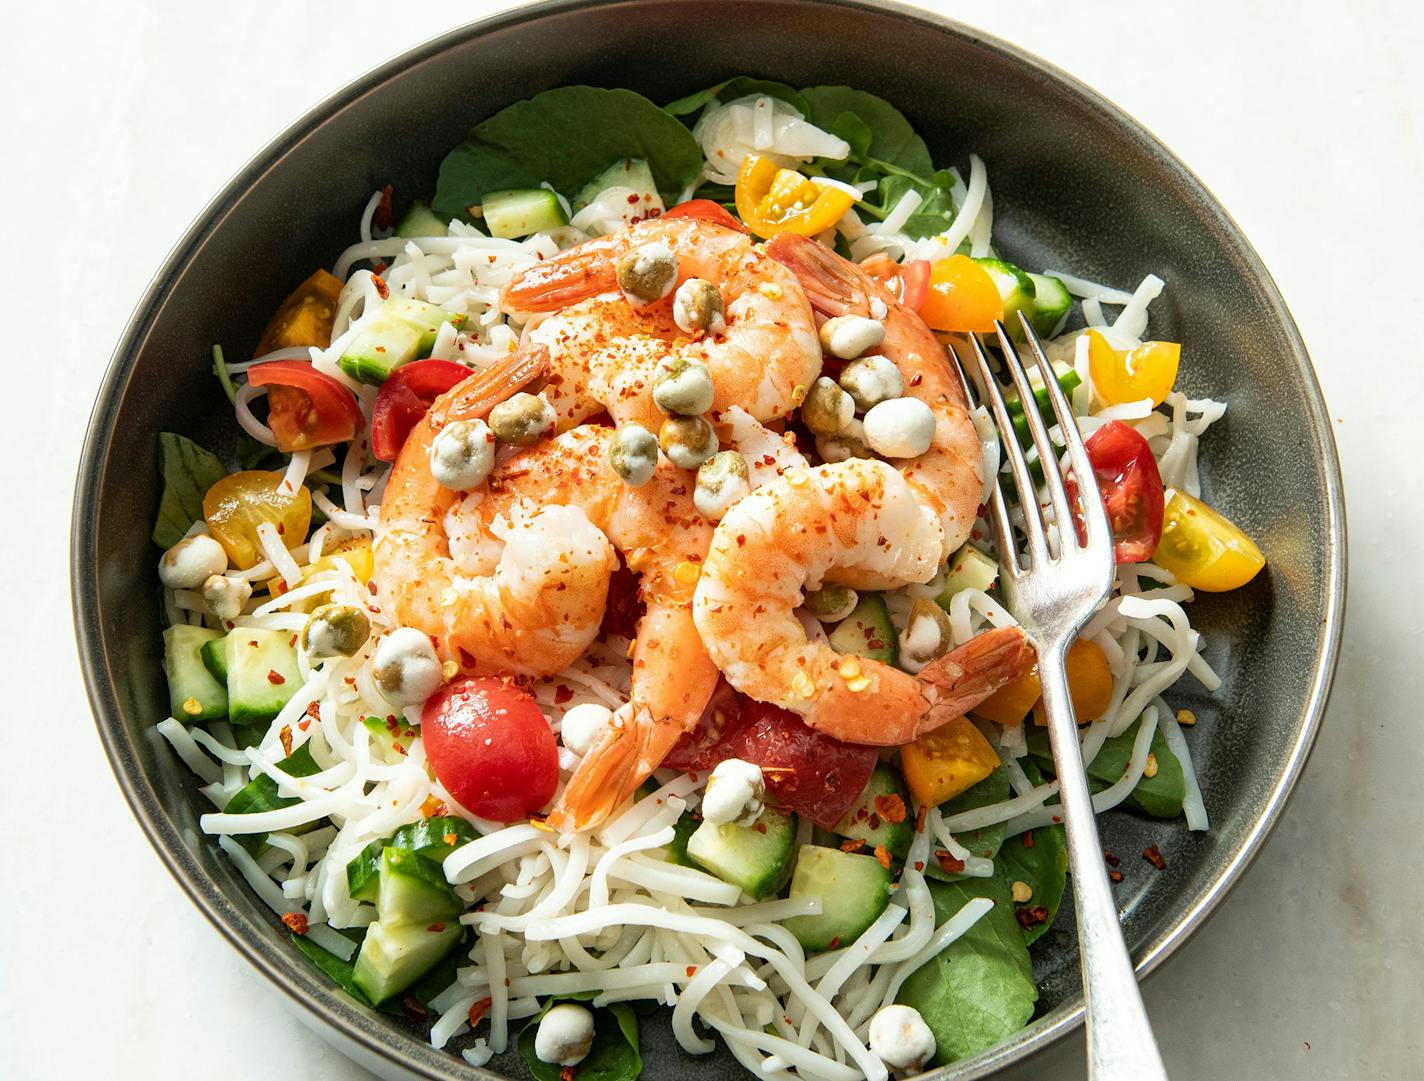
(411,948)
(842,873)
(856,823)
(214,655)
(421,221)
(521,212)
(363,874)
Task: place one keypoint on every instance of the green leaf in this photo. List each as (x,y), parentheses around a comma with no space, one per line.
(893,141)
(986,840)
(855,131)
(1044,867)
(567,137)
(933,215)
(614,1056)
(979,990)
(341,973)
(188,472)
(220,370)
(1160,796)
(729,90)
(260,793)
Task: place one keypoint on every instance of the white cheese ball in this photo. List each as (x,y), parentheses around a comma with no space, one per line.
(902,1040)
(582,725)
(226,596)
(900,428)
(462,455)
(565,1035)
(191,562)
(849,336)
(735,794)
(872,380)
(405,667)
(722,480)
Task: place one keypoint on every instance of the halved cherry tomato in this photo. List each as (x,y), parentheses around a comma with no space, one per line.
(1010,704)
(236,505)
(909,281)
(962,296)
(1129,375)
(697,748)
(772,200)
(305,408)
(405,397)
(1204,548)
(947,761)
(706,210)
(355,552)
(1090,683)
(1131,487)
(305,317)
(491,747)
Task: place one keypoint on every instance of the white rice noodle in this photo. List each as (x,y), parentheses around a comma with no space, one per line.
(492,943)
(707,977)
(261,883)
(952,928)
(470,861)
(979,245)
(947,243)
(182,741)
(1193,806)
(1082,287)
(1131,322)
(242,409)
(277,554)
(297,469)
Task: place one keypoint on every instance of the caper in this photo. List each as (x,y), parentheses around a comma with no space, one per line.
(462,455)
(827,408)
(335,630)
(831,604)
(687,441)
(521,420)
(697,306)
(872,380)
(225,597)
(406,668)
(927,635)
(647,274)
(721,480)
(682,386)
(633,453)
(847,443)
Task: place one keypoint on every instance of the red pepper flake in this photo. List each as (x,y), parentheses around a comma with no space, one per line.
(761,827)
(919,865)
(449,839)
(1154,857)
(275,677)
(281,530)
(1030,915)
(920,818)
(314,710)
(436,928)
(371,587)
(1113,861)
(1115,876)
(415,1011)
(506,981)
(562,694)
(691,971)
(285,735)
(395,746)
(947,862)
(292,642)
(296,922)
(381,216)
(382,290)
(478,1011)
(883,856)
(304,723)
(567,1073)
(1028,838)
(835,942)
(874,821)
(852,845)
(890,808)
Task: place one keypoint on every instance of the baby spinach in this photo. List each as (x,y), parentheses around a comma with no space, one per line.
(1160,796)
(566,137)
(979,990)
(934,213)
(740,86)
(986,840)
(188,472)
(614,1056)
(1042,865)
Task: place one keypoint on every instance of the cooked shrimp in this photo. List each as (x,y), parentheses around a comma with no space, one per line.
(601,350)
(949,476)
(787,537)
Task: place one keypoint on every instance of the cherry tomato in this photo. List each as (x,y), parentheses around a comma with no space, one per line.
(1204,548)
(305,408)
(1131,488)
(1130,375)
(772,200)
(236,505)
(697,749)
(491,747)
(305,317)
(909,281)
(961,296)
(405,397)
(706,210)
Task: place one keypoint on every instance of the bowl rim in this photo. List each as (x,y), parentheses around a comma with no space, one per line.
(405,1050)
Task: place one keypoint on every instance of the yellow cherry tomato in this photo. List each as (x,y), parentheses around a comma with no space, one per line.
(305,317)
(1204,549)
(236,505)
(772,200)
(1090,683)
(943,763)
(962,297)
(1010,703)
(1129,375)
(356,553)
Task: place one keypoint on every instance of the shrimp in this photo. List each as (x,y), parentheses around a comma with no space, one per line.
(601,351)
(786,537)
(949,477)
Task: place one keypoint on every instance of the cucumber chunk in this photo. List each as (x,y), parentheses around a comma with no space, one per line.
(969,568)
(214,655)
(193,694)
(866,821)
(1016,290)
(757,858)
(682,831)
(520,212)
(434,838)
(1051,302)
(629,173)
(867,631)
(403,330)
(395,954)
(420,221)
(262,673)
(854,889)
(363,874)
(413,888)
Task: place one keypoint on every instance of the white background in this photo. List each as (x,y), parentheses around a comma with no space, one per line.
(120,121)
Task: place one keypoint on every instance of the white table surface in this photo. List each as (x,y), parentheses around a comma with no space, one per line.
(122,120)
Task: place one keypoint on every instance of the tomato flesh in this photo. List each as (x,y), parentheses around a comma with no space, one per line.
(706,210)
(908,281)
(772,200)
(961,297)
(1148,371)
(305,408)
(1131,487)
(491,747)
(237,504)
(405,397)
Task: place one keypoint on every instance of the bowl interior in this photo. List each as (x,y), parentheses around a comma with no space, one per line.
(1076,187)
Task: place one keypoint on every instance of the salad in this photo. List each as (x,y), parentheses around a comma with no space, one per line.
(596,613)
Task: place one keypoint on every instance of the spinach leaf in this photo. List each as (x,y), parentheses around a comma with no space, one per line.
(894,146)
(341,973)
(1044,867)
(986,840)
(614,1056)
(566,137)
(854,131)
(730,89)
(1160,796)
(979,990)
(188,472)
(933,215)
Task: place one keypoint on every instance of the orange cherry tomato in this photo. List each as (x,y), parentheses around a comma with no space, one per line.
(962,297)
(305,317)
(1090,683)
(236,505)
(909,281)
(945,762)
(772,200)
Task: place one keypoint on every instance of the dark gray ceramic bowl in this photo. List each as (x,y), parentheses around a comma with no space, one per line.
(1077,184)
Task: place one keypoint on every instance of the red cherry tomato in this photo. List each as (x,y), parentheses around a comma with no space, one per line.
(698,749)
(909,281)
(491,748)
(405,397)
(305,408)
(1131,487)
(707,210)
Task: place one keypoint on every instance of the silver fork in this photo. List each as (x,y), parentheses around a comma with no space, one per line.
(1052,594)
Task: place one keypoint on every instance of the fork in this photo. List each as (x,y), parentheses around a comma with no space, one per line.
(1052,593)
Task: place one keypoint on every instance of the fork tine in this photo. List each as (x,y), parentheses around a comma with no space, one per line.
(1047,452)
(1099,530)
(1023,480)
(998,512)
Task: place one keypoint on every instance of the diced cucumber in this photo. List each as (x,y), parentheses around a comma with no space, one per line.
(867,631)
(1016,290)
(434,838)
(1051,302)
(262,673)
(214,654)
(854,889)
(413,888)
(425,317)
(520,212)
(757,858)
(403,330)
(395,954)
(363,874)
(193,694)
(385,738)
(867,821)
(420,220)
(968,568)
(628,173)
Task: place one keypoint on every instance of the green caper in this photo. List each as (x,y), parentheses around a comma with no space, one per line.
(872,380)
(927,635)
(335,630)
(647,274)
(682,386)
(831,604)
(721,480)
(633,453)
(827,409)
(521,420)
(687,441)
(697,306)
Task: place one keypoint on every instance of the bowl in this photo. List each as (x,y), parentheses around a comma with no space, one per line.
(1077,185)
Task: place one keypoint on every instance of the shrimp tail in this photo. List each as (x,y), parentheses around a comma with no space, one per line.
(970,673)
(610,772)
(833,285)
(569,277)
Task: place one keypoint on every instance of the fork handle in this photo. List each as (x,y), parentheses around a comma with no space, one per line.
(1121,1046)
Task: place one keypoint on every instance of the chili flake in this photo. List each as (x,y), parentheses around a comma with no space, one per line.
(275,677)
(478,1011)
(1030,915)
(852,845)
(890,808)
(296,922)
(882,856)
(286,737)
(1153,856)
(948,863)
